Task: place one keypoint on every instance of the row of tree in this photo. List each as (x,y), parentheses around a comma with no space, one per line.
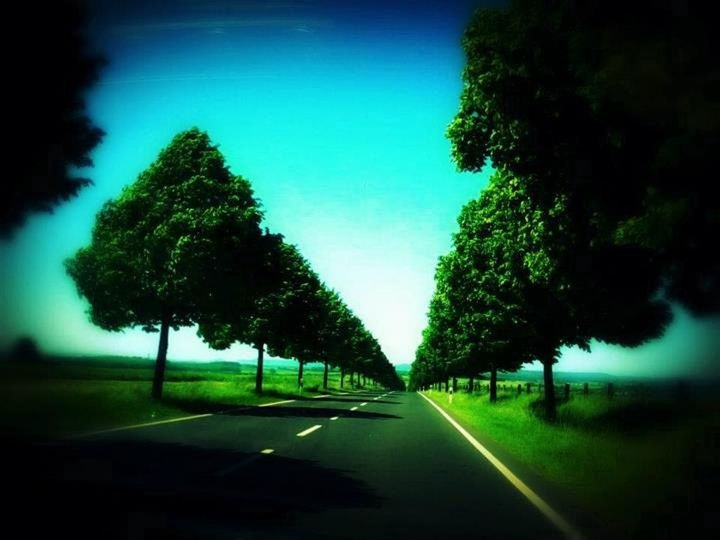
(183,246)
(600,212)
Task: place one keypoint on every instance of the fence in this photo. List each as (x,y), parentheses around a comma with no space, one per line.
(564,390)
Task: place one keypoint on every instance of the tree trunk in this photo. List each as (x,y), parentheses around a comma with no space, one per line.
(300,374)
(493,384)
(454,386)
(325,376)
(364,381)
(161,360)
(259,371)
(471,385)
(550,412)
(342,378)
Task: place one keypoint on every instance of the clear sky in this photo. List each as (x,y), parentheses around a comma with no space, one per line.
(336,112)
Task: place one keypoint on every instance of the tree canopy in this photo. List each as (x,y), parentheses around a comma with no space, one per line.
(600,212)
(522,282)
(183,236)
(51,132)
(609,105)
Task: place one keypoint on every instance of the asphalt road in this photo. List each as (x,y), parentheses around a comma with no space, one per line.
(378,466)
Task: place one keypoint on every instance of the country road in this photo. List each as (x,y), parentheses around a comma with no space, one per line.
(362,465)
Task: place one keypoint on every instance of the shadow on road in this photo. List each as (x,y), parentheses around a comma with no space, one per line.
(309,412)
(106,489)
(357,394)
(341,399)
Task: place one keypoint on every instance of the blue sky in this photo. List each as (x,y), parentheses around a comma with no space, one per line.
(336,112)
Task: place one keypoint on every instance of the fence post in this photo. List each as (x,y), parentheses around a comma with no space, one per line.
(528,387)
(519,389)
(567,391)
(610,390)
(586,389)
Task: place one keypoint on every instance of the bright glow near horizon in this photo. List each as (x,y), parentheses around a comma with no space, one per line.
(337,117)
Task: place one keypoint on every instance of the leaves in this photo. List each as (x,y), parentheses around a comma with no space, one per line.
(165,247)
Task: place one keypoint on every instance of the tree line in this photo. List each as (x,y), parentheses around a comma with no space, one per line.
(183,245)
(603,135)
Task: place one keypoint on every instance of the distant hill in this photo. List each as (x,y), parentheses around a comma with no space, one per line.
(402,368)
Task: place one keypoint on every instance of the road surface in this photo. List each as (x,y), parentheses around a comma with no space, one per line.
(363,465)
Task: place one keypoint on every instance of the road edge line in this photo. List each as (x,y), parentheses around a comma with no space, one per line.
(168,421)
(550,513)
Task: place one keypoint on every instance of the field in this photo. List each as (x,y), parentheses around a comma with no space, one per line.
(62,397)
(649,453)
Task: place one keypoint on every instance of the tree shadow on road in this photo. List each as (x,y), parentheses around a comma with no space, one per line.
(357,394)
(308,412)
(341,399)
(123,489)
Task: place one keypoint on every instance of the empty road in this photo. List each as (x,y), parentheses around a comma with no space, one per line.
(361,465)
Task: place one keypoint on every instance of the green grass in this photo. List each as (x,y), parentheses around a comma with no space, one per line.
(61,398)
(630,461)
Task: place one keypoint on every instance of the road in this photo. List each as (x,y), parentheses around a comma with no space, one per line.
(363,465)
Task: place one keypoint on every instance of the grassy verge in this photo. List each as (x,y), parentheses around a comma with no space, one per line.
(636,464)
(57,399)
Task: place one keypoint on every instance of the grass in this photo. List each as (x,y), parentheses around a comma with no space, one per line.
(60,398)
(630,461)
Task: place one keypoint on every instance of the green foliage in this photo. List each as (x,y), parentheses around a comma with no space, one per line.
(605,105)
(176,243)
(524,281)
(160,250)
(52,134)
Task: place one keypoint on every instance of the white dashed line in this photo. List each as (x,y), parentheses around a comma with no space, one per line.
(363,404)
(334,418)
(267,451)
(354,409)
(277,403)
(308,431)
(135,426)
(170,420)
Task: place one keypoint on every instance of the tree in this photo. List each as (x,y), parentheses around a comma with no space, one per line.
(25,350)
(51,131)
(551,288)
(283,313)
(471,328)
(606,104)
(173,246)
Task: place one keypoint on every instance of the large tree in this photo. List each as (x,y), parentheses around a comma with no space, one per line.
(608,104)
(177,242)
(546,287)
(51,132)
